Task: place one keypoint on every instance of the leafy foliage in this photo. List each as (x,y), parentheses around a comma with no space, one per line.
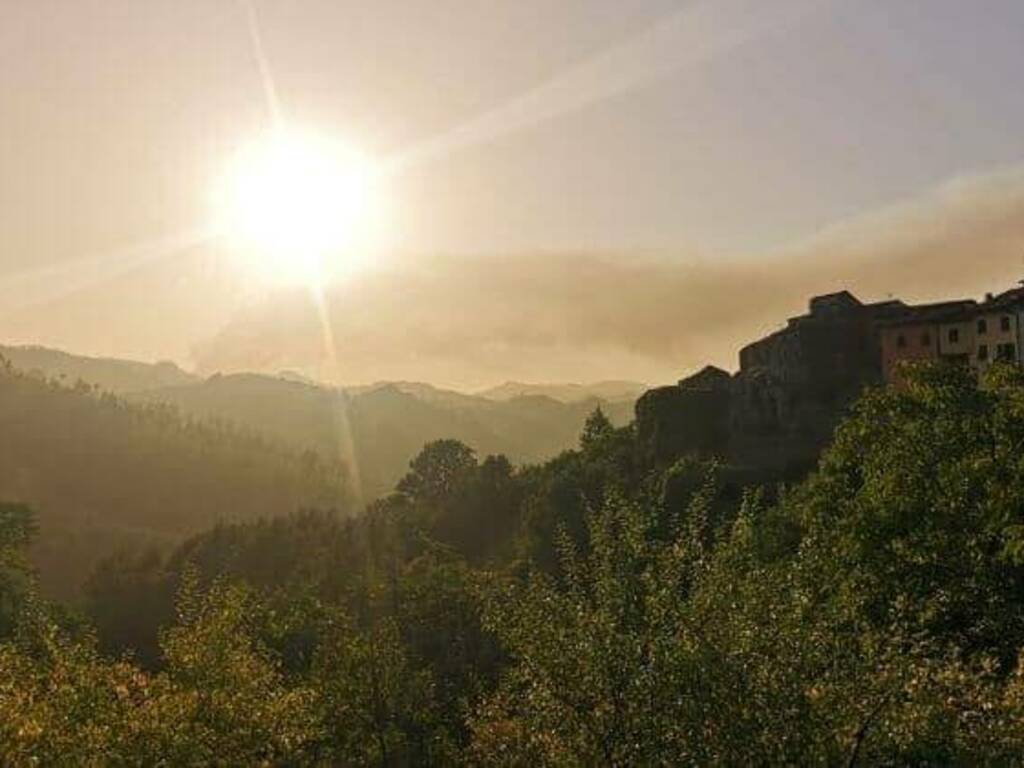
(17,528)
(617,613)
(106,475)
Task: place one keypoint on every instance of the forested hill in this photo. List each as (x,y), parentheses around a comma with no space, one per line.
(171,454)
(108,373)
(599,609)
(387,424)
(104,474)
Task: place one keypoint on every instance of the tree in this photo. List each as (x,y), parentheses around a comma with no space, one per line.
(607,667)
(435,472)
(480,517)
(597,430)
(559,494)
(17,529)
(922,495)
(223,697)
(377,708)
(439,616)
(128,599)
(872,616)
(879,604)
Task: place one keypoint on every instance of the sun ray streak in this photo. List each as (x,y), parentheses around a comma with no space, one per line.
(263,63)
(684,39)
(346,443)
(31,288)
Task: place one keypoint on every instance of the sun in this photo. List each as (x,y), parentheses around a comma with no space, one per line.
(297,207)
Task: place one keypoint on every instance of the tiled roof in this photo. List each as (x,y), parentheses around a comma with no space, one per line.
(940,312)
(1009,298)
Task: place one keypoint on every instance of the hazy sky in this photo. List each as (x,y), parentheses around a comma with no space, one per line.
(713,138)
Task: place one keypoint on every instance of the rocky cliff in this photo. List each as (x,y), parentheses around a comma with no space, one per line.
(779,410)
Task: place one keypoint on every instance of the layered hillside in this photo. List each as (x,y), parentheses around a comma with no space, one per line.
(103,473)
(381,426)
(610,391)
(385,426)
(109,374)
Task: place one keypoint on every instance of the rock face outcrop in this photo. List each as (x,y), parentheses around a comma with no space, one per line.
(691,418)
(780,409)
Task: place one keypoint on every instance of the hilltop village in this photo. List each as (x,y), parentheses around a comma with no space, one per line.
(780,408)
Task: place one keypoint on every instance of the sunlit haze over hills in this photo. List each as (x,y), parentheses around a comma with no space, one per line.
(545,383)
(567,191)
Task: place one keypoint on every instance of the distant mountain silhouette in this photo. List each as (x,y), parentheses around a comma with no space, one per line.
(612,391)
(386,424)
(104,473)
(110,374)
(426,392)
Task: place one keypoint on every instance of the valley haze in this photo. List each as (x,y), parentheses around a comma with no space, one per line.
(392,383)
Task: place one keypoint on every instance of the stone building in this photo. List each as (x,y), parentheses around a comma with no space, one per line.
(964,332)
(793,386)
(999,323)
(781,407)
(927,332)
(799,376)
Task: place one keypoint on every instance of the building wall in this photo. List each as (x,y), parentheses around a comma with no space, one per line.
(957,342)
(672,422)
(956,339)
(915,342)
(1000,331)
(1019,318)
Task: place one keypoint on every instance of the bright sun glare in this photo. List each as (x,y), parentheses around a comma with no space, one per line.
(298,207)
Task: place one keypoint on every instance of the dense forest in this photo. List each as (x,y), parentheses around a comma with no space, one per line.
(375,429)
(104,474)
(591,610)
(384,426)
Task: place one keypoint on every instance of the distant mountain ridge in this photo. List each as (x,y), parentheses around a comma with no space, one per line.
(386,425)
(383,424)
(119,375)
(104,473)
(109,373)
(611,391)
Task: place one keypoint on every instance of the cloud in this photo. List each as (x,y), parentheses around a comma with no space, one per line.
(469,322)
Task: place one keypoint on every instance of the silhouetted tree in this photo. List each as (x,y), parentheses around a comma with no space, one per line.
(436,471)
(597,430)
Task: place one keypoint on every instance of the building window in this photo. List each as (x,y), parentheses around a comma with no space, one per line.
(954,335)
(1006,352)
(1004,323)
(983,325)
(901,341)
(983,352)
(926,339)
